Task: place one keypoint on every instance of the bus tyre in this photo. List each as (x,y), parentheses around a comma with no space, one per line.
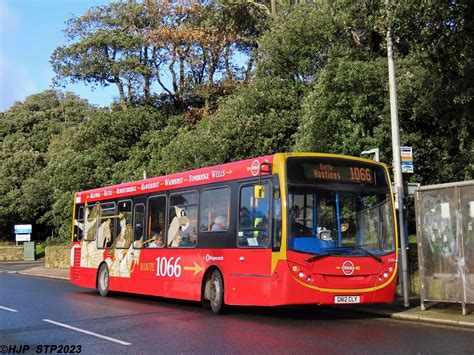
(103,280)
(216,292)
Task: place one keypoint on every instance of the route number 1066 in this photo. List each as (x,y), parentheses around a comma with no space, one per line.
(361,174)
(168,267)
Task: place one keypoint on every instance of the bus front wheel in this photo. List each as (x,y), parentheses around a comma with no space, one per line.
(103,280)
(216,292)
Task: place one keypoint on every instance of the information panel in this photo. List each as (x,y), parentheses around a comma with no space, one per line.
(329,170)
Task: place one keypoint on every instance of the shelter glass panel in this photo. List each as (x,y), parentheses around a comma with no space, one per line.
(467,213)
(440,246)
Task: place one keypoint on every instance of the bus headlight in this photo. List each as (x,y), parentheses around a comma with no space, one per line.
(385,274)
(301,273)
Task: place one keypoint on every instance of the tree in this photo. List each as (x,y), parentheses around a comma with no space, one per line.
(26,130)
(199,41)
(135,45)
(347,111)
(346,108)
(109,47)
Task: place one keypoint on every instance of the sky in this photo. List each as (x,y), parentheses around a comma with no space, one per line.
(30,30)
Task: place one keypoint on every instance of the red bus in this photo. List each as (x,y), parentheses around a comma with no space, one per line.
(288,228)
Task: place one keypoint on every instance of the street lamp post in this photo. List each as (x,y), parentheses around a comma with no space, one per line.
(396,158)
(375,152)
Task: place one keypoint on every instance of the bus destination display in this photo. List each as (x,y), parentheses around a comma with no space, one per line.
(331,172)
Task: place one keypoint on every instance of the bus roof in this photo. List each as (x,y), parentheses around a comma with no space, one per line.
(208,175)
(225,172)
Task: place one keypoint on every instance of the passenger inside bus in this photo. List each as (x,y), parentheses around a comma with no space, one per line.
(220,224)
(188,240)
(158,241)
(176,241)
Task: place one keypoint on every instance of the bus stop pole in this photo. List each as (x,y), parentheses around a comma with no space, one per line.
(396,159)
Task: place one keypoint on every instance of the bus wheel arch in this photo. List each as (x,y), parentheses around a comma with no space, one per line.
(103,279)
(213,290)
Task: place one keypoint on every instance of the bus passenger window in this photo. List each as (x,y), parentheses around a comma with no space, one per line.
(91,220)
(138,225)
(182,219)
(124,230)
(215,210)
(106,231)
(156,222)
(79,224)
(254,214)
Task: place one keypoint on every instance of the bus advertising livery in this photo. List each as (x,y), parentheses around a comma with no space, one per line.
(283,229)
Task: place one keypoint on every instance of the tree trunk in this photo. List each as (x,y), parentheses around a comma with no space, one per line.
(122,101)
(228,69)
(173,74)
(248,72)
(146,77)
(181,74)
(130,92)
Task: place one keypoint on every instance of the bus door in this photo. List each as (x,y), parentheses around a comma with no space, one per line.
(250,267)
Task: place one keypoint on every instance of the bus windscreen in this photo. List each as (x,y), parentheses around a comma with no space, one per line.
(339,206)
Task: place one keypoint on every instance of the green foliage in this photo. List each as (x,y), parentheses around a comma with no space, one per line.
(347,105)
(348,109)
(108,48)
(258,119)
(299,42)
(26,130)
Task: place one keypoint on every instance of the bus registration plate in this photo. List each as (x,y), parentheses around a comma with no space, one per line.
(346,299)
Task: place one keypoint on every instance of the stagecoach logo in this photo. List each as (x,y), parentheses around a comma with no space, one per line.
(255,167)
(214,258)
(348,267)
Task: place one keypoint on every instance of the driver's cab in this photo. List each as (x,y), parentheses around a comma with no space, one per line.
(305,232)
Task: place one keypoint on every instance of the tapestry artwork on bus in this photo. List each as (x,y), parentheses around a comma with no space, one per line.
(121,257)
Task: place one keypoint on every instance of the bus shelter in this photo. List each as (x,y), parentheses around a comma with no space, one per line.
(445,232)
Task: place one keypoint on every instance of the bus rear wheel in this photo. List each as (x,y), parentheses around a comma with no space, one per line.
(216,292)
(103,280)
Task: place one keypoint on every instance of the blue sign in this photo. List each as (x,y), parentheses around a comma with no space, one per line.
(23,228)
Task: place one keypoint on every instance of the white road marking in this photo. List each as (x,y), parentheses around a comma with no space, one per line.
(88,332)
(8,309)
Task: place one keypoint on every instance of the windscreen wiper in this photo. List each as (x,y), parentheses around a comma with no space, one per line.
(317,256)
(378,258)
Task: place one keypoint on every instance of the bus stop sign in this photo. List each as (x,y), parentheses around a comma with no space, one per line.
(406,155)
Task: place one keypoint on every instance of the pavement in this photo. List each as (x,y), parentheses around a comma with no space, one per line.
(446,314)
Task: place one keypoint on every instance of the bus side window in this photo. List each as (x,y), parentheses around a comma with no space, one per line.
(182,220)
(156,222)
(124,228)
(215,210)
(79,224)
(254,214)
(106,231)
(139,224)
(91,219)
